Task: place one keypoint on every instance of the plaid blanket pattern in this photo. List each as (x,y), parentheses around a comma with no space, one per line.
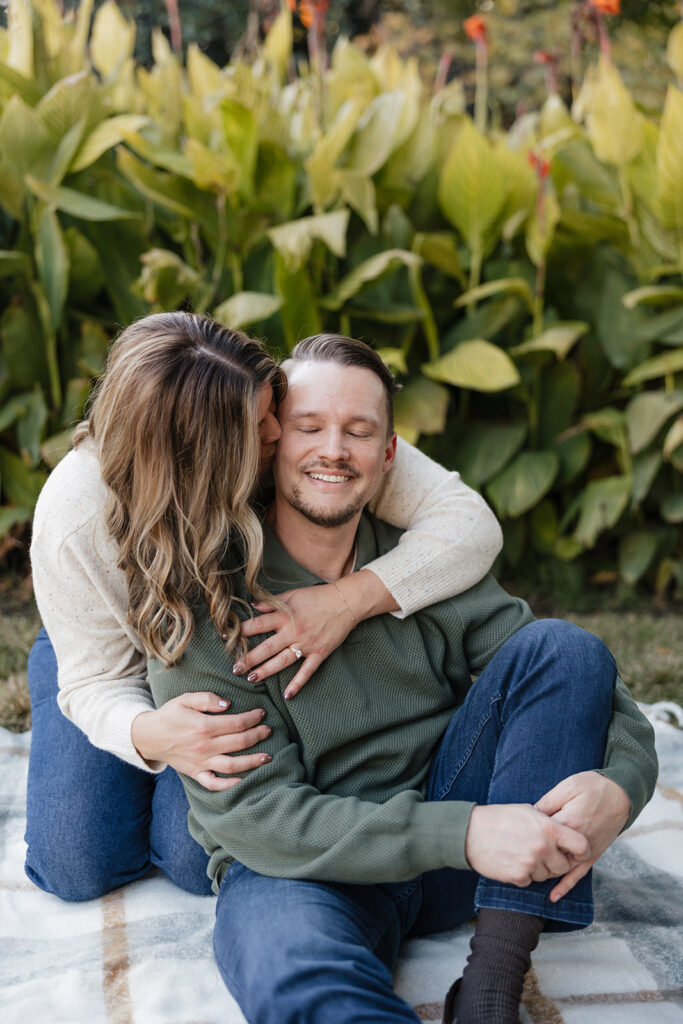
(143,954)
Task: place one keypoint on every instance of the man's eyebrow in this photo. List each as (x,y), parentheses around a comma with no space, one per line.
(360,418)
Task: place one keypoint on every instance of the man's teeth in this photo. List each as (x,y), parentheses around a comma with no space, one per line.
(328,478)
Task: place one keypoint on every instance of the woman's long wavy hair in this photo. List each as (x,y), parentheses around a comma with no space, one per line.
(174,419)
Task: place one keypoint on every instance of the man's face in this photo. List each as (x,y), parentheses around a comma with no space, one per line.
(334,445)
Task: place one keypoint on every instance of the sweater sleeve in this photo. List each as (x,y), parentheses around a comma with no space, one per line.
(452,536)
(630,756)
(82,599)
(278,824)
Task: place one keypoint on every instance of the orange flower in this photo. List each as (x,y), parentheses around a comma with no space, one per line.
(544,57)
(541,166)
(292,5)
(475,29)
(607,6)
(308,10)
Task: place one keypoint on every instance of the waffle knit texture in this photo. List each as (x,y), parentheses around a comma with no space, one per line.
(343,797)
(451,541)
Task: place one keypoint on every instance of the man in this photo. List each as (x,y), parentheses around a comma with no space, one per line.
(401,798)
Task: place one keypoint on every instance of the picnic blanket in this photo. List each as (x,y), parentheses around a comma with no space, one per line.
(143,954)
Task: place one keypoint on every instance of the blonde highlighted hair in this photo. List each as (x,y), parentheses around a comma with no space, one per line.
(174,419)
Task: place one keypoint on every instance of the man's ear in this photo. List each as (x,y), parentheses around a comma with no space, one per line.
(389,454)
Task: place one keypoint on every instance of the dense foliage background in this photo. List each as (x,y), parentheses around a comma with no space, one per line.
(520,269)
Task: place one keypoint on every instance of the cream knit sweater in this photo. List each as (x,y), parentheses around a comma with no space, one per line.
(451,542)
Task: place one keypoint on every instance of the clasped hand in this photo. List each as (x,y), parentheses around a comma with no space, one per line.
(562,835)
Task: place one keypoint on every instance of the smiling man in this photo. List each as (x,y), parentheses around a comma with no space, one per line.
(401,797)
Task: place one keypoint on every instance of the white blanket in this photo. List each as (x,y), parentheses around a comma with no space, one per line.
(143,955)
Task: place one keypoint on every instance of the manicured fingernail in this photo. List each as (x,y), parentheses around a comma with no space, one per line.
(222,703)
(263,714)
(265,758)
(289,692)
(252,677)
(238,668)
(269,731)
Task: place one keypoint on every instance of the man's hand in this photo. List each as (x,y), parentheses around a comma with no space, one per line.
(594,805)
(517,843)
(191,734)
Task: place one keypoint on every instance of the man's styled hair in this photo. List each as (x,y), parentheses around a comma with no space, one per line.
(174,422)
(337,348)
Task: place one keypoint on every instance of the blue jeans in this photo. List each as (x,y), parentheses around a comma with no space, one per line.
(94,822)
(299,952)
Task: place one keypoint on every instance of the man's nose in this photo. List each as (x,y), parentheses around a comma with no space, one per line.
(333,445)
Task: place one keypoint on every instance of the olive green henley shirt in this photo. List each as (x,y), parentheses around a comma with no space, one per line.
(343,797)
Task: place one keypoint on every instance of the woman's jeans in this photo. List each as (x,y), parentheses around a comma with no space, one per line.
(322,953)
(95,822)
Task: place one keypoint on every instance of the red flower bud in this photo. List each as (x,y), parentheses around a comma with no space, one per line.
(475,29)
(541,166)
(607,6)
(545,57)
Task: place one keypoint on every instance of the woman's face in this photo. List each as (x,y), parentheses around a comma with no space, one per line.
(268,426)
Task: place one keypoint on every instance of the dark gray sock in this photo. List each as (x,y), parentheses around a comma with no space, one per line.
(491,987)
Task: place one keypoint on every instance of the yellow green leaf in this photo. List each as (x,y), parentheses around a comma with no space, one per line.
(245,308)
(512,285)
(20,30)
(559,338)
(602,506)
(670,161)
(654,295)
(52,259)
(674,50)
(647,413)
(78,204)
(636,551)
(367,272)
(613,124)
(420,408)
(203,74)
(294,239)
(658,366)
(105,135)
(471,189)
(477,365)
(277,46)
(112,39)
(323,160)
(674,438)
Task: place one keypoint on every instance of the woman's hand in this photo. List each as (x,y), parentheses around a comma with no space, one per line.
(192,735)
(317,620)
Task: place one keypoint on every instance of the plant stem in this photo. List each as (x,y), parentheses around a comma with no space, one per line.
(475,270)
(538,297)
(481,87)
(627,200)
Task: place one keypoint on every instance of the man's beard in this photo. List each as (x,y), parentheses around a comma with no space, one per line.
(337,517)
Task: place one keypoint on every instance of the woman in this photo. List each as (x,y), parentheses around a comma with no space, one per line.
(180,390)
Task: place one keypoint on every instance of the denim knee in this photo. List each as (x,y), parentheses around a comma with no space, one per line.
(73,876)
(589,659)
(42,669)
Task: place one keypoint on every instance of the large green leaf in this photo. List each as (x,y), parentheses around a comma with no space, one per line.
(559,398)
(245,308)
(560,338)
(368,272)
(477,365)
(511,285)
(614,125)
(73,99)
(658,366)
(666,327)
(376,133)
(645,468)
(438,248)
(20,484)
(13,262)
(25,144)
(26,88)
(672,508)
(78,204)
(105,135)
(608,424)
(358,191)
(471,189)
(112,39)
(574,453)
(603,504)
(241,135)
(654,295)
(166,280)
(523,483)
(52,259)
(277,47)
(636,551)
(322,162)
(22,346)
(30,427)
(485,448)
(293,240)
(647,413)
(53,449)
(299,312)
(673,440)
(674,50)
(420,408)
(670,161)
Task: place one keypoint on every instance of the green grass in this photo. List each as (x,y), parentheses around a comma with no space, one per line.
(647,644)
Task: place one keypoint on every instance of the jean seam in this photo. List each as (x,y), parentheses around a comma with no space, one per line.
(468,752)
